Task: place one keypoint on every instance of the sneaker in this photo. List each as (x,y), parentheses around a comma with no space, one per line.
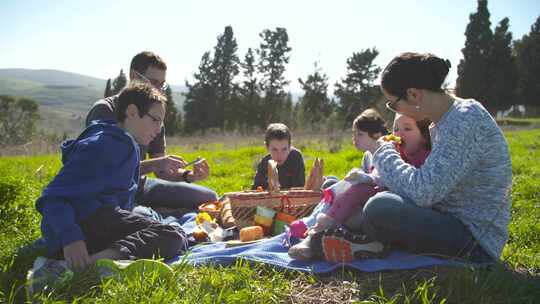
(142,267)
(147,267)
(45,273)
(341,246)
(301,251)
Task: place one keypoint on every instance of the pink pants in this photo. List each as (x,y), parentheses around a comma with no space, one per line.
(344,204)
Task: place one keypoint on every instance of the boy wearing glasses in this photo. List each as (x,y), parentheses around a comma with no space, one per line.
(172,188)
(86,208)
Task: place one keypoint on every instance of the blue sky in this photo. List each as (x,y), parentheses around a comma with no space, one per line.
(98,38)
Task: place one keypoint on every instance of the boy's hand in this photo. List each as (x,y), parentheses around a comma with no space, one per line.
(76,256)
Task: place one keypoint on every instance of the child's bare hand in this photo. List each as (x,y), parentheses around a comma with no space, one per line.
(358,176)
(76,256)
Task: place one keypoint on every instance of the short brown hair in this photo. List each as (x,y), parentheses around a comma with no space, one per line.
(142,95)
(414,70)
(142,61)
(370,121)
(277,131)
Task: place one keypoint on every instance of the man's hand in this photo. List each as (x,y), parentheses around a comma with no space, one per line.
(76,256)
(201,170)
(166,167)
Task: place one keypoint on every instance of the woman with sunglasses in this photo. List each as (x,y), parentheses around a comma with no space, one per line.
(458,203)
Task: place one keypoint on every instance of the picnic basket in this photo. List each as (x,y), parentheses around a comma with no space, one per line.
(298,202)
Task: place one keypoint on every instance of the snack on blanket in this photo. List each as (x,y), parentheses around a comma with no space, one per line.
(282,219)
(251,233)
(199,235)
(213,208)
(203,217)
(264,217)
(298,229)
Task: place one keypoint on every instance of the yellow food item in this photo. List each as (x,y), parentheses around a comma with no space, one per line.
(393,138)
(251,233)
(203,217)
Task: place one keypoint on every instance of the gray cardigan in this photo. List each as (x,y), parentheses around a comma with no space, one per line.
(468,173)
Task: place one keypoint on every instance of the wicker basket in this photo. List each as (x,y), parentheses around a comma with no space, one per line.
(296,202)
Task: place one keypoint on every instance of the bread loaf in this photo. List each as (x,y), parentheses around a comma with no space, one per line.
(251,233)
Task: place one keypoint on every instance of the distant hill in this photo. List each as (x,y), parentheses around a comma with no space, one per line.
(54,78)
(64,97)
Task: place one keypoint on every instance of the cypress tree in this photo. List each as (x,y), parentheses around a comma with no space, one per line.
(171,115)
(527,51)
(503,73)
(273,58)
(108,91)
(119,83)
(357,91)
(473,69)
(315,104)
(226,67)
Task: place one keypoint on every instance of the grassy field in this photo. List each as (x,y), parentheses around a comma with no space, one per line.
(516,280)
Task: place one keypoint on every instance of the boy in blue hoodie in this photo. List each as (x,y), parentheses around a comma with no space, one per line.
(87,207)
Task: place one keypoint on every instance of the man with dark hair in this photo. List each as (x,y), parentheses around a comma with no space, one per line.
(86,208)
(173,186)
(290,162)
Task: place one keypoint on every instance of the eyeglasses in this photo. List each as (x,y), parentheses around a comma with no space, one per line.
(391,105)
(160,85)
(156,120)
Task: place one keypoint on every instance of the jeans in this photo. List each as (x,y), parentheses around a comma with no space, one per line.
(400,223)
(161,193)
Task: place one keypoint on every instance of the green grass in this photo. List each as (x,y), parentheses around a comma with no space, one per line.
(23,178)
(515,121)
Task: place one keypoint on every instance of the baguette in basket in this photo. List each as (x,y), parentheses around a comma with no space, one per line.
(297,202)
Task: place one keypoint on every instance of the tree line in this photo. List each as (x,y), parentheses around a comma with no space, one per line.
(495,69)
(229,93)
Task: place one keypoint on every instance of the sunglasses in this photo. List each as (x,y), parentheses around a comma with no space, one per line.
(391,105)
(160,85)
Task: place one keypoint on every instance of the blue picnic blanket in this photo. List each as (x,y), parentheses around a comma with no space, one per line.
(273,252)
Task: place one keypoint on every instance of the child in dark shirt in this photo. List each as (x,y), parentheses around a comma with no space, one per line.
(290,162)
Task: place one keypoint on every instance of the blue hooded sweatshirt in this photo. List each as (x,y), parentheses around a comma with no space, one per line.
(100,168)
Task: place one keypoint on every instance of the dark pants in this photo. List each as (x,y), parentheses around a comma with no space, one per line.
(161,193)
(399,222)
(135,236)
